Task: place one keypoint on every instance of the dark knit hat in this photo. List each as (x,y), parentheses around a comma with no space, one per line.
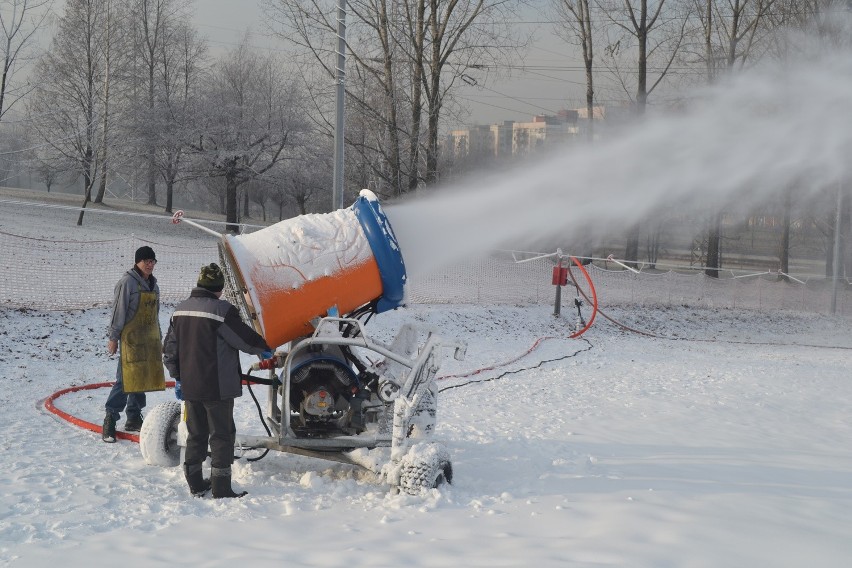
(144,253)
(211,278)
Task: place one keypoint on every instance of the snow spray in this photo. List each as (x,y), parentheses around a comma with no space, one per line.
(739,143)
(315,265)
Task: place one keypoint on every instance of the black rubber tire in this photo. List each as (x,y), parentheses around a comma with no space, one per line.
(158,437)
(425,467)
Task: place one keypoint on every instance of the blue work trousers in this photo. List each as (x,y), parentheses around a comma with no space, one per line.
(118,399)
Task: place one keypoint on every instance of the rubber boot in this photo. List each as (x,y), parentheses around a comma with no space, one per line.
(108,430)
(220,479)
(198,486)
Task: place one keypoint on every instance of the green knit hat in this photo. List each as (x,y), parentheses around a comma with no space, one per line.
(211,278)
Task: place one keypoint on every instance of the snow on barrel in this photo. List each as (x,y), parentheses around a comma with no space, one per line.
(309,266)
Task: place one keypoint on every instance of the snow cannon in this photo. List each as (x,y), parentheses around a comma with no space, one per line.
(290,274)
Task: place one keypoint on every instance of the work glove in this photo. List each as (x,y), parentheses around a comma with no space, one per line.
(178,392)
(268,354)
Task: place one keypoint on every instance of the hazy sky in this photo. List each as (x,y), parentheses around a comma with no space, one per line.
(549,83)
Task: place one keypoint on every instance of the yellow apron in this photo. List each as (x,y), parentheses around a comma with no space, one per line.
(141,349)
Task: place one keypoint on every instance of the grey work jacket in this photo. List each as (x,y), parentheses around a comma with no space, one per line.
(126,300)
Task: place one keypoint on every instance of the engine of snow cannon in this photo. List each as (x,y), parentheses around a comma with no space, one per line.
(323,388)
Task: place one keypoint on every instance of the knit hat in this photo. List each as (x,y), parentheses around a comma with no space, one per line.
(144,253)
(211,278)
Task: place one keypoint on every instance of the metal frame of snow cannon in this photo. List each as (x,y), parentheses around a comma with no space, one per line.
(404,404)
(402,397)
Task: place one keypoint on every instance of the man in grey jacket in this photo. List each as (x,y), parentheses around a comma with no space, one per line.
(135,325)
(201,353)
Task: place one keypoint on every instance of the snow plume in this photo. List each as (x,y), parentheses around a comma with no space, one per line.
(739,142)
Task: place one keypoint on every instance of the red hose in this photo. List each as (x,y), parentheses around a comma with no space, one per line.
(48,404)
(575,335)
(594,293)
(496,365)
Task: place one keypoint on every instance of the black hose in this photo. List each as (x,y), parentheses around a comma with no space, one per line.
(260,414)
(515,371)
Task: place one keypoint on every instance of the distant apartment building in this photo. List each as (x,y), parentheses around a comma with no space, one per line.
(497,141)
(473,142)
(544,130)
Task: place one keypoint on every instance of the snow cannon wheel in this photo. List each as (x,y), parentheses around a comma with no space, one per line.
(424,419)
(158,437)
(425,467)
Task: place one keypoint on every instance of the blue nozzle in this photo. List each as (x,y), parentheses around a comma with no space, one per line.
(385,249)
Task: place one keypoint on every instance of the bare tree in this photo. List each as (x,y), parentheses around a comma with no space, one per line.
(151,19)
(14,154)
(259,192)
(105,125)
(647,36)
(180,72)
(243,132)
(20,20)
(68,101)
(461,34)
(410,54)
(47,170)
(577,16)
(373,92)
(302,189)
(731,33)
(278,196)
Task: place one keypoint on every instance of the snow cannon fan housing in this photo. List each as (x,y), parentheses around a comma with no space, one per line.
(288,274)
(322,384)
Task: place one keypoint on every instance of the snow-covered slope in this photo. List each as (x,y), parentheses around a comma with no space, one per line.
(617,449)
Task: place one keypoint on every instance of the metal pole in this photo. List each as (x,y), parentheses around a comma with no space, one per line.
(557,304)
(836,252)
(337,197)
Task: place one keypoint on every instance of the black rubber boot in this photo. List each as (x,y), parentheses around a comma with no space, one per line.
(198,486)
(220,479)
(133,423)
(108,430)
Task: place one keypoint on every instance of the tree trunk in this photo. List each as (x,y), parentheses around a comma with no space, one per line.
(88,181)
(170,185)
(784,265)
(231,204)
(432,135)
(416,98)
(393,126)
(631,251)
(102,187)
(588,60)
(86,199)
(152,166)
(152,178)
(714,235)
(829,254)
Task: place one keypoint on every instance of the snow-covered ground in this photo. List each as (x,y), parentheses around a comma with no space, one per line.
(722,442)
(616,449)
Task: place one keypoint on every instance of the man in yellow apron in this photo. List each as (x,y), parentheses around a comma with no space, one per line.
(135,326)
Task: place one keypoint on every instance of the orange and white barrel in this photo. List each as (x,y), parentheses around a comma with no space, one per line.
(309,266)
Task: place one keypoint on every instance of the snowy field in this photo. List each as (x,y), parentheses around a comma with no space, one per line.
(721,442)
(617,449)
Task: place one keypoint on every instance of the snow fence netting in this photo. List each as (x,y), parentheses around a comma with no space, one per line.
(77,267)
